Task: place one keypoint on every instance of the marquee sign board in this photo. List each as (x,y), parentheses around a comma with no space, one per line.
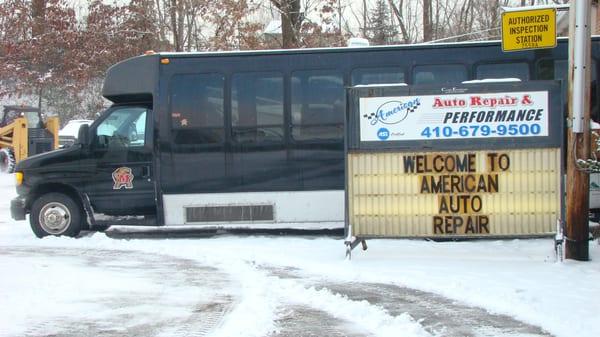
(480,161)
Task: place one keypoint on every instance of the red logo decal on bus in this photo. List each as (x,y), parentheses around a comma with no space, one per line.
(122,177)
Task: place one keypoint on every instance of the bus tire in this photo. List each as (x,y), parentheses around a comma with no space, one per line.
(7,160)
(55,214)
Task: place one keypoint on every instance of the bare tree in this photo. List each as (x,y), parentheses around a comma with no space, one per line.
(450,20)
(38,13)
(488,17)
(38,49)
(176,23)
(361,17)
(427,20)
(407,19)
(465,18)
(291,21)
(231,27)
(365,21)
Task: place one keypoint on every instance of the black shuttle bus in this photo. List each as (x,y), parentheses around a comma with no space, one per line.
(245,139)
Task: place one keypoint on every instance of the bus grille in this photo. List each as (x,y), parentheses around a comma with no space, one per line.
(248,213)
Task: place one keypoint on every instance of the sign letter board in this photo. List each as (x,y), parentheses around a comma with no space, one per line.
(483,160)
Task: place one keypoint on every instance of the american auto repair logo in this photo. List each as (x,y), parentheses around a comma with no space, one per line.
(392,112)
(122,177)
(389,113)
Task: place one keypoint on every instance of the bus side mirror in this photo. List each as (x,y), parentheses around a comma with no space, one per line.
(83,137)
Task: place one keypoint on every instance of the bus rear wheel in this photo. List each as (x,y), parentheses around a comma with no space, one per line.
(55,214)
(7,160)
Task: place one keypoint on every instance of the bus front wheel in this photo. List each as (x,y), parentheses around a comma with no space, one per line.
(55,214)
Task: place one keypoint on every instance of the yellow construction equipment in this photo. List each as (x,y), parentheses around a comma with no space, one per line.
(24,133)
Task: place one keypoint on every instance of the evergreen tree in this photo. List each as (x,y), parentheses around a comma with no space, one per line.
(380,30)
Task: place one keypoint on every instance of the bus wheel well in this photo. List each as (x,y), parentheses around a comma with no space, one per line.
(56,188)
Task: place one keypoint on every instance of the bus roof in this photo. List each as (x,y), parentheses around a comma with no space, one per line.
(136,78)
(425,45)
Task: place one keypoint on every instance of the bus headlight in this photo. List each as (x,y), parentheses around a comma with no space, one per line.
(19,178)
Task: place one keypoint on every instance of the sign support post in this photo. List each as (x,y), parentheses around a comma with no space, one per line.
(578,143)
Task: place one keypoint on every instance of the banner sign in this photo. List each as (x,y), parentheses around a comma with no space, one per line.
(454,116)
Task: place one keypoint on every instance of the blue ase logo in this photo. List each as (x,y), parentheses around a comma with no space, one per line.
(383,133)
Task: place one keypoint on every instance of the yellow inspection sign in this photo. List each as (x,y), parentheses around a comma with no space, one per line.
(528,29)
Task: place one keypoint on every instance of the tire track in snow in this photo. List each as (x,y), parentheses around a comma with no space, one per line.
(138,314)
(438,315)
(211,315)
(305,310)
(302,321)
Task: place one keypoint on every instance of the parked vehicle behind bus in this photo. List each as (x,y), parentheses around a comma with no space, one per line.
(68,134)
(24,132)
(246,139)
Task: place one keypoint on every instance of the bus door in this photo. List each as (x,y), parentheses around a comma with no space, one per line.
(120,161)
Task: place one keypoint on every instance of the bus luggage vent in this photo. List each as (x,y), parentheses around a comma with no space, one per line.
(229,213)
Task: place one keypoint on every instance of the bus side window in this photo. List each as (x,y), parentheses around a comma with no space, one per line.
(439,74)
(318,103)
(377,75)
(197,107)
(257,107)
(558,69)
(518,70)
(552,69)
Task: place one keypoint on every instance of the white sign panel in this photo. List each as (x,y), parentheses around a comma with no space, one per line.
(454,116)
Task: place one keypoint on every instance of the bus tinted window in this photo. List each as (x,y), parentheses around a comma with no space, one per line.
(196,103)
(377,75)
(439,74)
(257,107)
(503,70)
(318,103)
(558,70)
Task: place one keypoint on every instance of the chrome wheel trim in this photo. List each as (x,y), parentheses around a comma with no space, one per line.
(55,218)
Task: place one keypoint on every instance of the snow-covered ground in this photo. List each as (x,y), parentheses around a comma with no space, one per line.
(257,281)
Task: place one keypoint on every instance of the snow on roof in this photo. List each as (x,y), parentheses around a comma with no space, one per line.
(378,85)
(358,42)
(493,80)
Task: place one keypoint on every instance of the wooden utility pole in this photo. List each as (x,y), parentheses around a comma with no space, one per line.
(578,143)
